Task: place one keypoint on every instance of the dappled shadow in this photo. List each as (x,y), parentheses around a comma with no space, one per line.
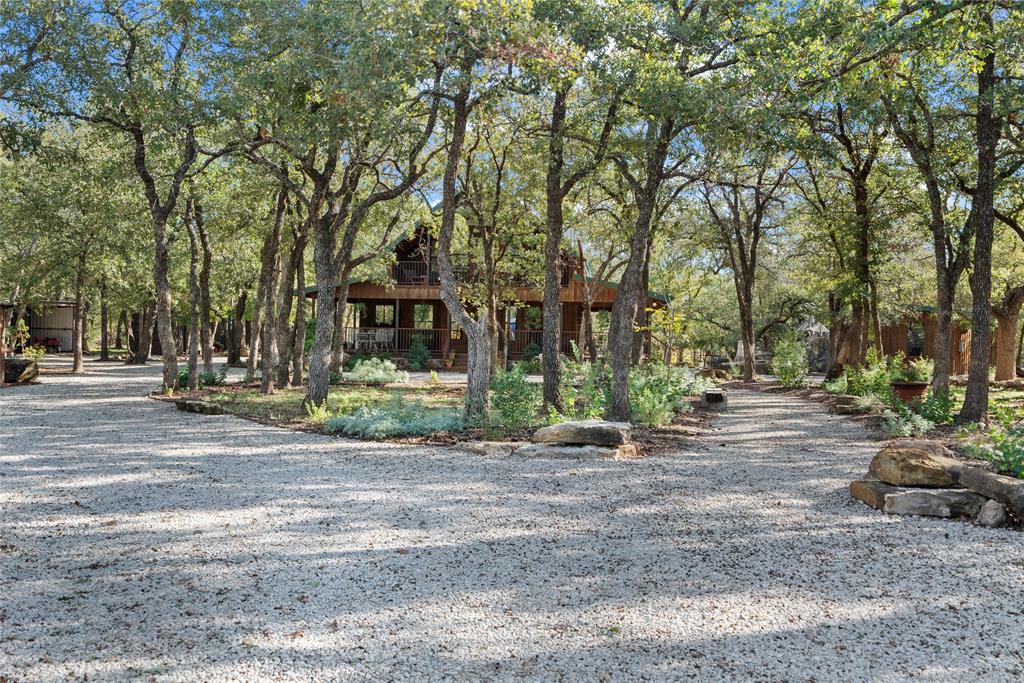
(141,540)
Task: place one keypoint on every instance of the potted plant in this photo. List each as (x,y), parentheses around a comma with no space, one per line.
(449,361)
(910,381)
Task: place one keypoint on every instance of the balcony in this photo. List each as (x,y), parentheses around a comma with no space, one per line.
(420,272)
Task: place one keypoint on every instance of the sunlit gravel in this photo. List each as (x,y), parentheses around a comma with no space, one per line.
(138,542)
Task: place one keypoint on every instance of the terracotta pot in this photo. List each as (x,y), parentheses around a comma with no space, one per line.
(908,392)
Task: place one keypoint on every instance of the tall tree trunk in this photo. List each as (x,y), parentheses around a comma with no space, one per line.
(122,322)
(104,322)
(195,296)
(285,332)
(987,125)
(205,326)
(236,332)
(147,323)
(551,308)
(620,329)
(269,342)
(478,357)
(85,327)
(164,322)
(876,319)
(265,291)
(79,315)
(299,333)
(642,318)
(746,301)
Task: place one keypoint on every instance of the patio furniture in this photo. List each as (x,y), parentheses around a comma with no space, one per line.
(385,338)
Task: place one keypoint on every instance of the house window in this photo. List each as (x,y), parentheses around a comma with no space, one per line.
(423,316)
(384,315)
(454,331)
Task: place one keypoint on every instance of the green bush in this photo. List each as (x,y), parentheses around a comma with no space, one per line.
(874,377)
(33,352)
(917,370)
(1005,447)
(205,379)
(839,385)
(584,390)
(398,418)
(905,422)
(937,408)
(514,400)
(419,354)
(789,361)
(657,392)
(377,371)
(352,359)
(531,351)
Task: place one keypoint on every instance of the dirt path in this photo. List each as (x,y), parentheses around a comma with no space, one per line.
(140,542)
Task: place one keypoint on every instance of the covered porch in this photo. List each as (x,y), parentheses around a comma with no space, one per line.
(391,326)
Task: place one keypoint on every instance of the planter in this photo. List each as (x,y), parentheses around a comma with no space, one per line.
(908,392)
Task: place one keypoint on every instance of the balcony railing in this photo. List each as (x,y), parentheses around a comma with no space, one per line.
(420,272)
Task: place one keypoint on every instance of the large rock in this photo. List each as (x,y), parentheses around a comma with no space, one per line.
(999,487)
(490,449)
(916,463)
(201,407)
(871,491)
(992,514)
(20,370)
(587,451)
(934,503)
(586,432)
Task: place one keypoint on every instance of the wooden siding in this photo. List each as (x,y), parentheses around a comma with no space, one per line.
(895,340)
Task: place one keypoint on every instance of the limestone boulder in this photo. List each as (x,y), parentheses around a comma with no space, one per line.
(916,463)
(993,515)
(934,503)
(200,407)
(585,432)
(1007,490)
(871,491)
(580,451)
(20,370)
(490,449)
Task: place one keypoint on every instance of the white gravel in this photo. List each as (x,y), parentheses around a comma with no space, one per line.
(138,542)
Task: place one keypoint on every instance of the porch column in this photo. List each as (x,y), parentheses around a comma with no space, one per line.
(394,342)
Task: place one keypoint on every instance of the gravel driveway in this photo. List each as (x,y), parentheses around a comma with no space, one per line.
(138,542)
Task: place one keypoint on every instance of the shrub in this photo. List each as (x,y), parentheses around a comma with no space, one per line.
(205,379)
(33,352)
(1005,447)
(514,400)
(531,351)
(377,371)
(868,404)
(905,422)
(873,377)
(397,418)
(584,390)
(789,362)
(937,408)
(419,354)
(917,370)
(839,385)
(657,392)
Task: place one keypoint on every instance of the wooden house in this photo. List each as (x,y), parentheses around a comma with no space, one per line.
(386,317)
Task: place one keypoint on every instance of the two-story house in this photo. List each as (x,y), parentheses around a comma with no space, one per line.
(385,318)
